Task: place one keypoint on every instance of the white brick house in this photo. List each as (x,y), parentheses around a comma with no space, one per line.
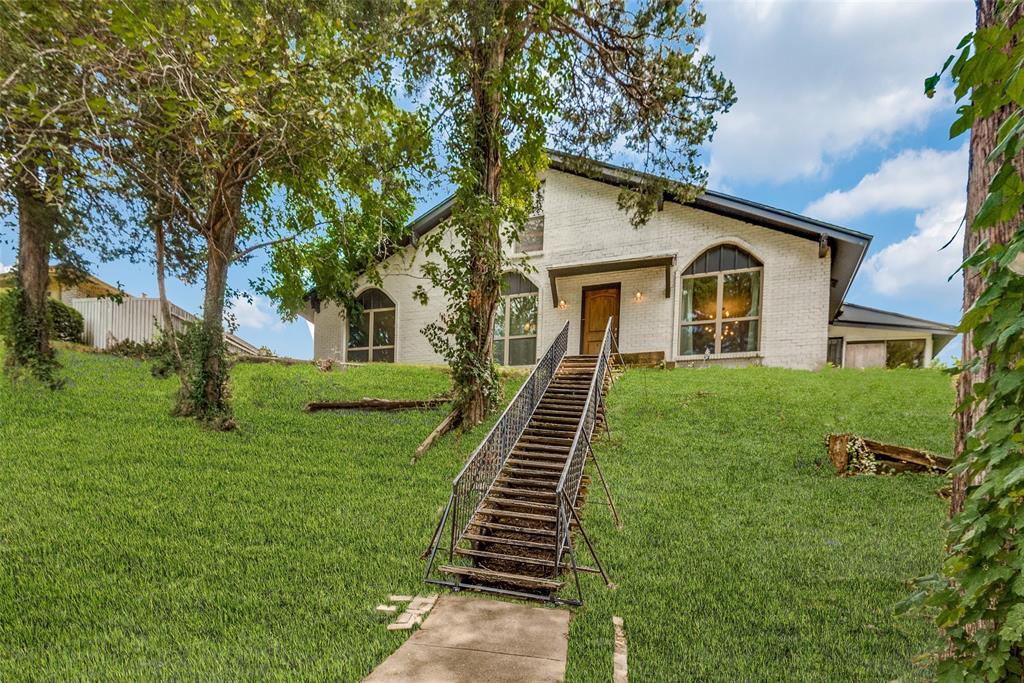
(719,280)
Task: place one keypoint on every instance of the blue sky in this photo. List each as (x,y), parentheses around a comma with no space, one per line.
(831,121)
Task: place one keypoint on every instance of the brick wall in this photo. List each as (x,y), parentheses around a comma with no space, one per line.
(582,224)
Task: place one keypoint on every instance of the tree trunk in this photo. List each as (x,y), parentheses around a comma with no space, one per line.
(485,250)
(37,222)
(204,392)
(220,248)
(983,141)
(165,307)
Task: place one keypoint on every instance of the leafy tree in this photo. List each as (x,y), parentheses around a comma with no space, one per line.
(263,125)
(978,597)
(506,78)
(55,142)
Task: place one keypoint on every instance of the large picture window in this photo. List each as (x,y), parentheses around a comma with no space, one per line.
(515,322)
(371,331)
(720,303)
(904,353)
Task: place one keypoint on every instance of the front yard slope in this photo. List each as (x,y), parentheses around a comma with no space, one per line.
(743,556)
(134,545)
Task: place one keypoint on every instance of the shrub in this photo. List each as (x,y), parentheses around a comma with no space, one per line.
(159,351)
(21,330)
(66,324)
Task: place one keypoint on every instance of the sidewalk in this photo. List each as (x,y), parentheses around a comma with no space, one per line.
(471,639)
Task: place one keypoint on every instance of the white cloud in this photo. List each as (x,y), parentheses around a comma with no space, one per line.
(914,179)
(819,81)
(916,265)
(4,268)
(257,314)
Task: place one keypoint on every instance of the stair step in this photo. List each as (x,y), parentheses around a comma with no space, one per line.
(535,465)
(546,433)
(531,504)
(488,575)
(556,412)
(527,472)
(516,491)
(549,449)
(516,515)
(504,479)
(498,540)
(570,399)
(573,403)
(536,439)
(497,526)
(522,559)
(553,421)
(534,456)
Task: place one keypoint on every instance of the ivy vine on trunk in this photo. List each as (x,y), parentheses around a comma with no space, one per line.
(977,598)
(506,78)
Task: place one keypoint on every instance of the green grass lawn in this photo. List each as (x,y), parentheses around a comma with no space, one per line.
(137,545)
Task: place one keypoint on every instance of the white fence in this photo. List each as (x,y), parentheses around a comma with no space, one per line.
(108,322)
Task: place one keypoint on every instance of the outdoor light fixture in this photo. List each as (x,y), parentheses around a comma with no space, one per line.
(562,305)
(638,297)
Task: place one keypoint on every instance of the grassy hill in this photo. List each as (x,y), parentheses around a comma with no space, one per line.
(136,545)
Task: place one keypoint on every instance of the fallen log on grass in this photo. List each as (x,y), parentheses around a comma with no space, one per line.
(852,454)
(377,404)
(447,424)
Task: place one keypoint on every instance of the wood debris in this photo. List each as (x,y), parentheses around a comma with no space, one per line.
(447,424)
(377,404)
(852,454)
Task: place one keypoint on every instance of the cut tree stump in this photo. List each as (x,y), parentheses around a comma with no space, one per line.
(880,458)
(376,404)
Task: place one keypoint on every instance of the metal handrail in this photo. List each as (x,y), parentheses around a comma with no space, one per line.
(474,481)
(572,473)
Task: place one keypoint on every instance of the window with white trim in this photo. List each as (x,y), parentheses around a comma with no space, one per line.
(720,303)
(531,235)
(515,322)
(371,329)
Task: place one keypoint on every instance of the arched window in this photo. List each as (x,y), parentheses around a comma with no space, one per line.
(515,322)
(371,330)
(721,303)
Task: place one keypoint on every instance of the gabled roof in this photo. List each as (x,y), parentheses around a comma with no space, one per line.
(848,246)
(853,315)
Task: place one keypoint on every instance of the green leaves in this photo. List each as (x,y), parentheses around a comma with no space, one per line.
(979,600)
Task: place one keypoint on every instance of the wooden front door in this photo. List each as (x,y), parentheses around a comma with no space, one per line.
(599,303)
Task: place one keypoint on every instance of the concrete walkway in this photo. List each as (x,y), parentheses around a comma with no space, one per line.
(469,639)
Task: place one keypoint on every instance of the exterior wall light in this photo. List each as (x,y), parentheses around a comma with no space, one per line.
(638,296)
(562,305)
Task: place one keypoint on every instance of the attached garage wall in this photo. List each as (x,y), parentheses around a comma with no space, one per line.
(856,336)
(865,355)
